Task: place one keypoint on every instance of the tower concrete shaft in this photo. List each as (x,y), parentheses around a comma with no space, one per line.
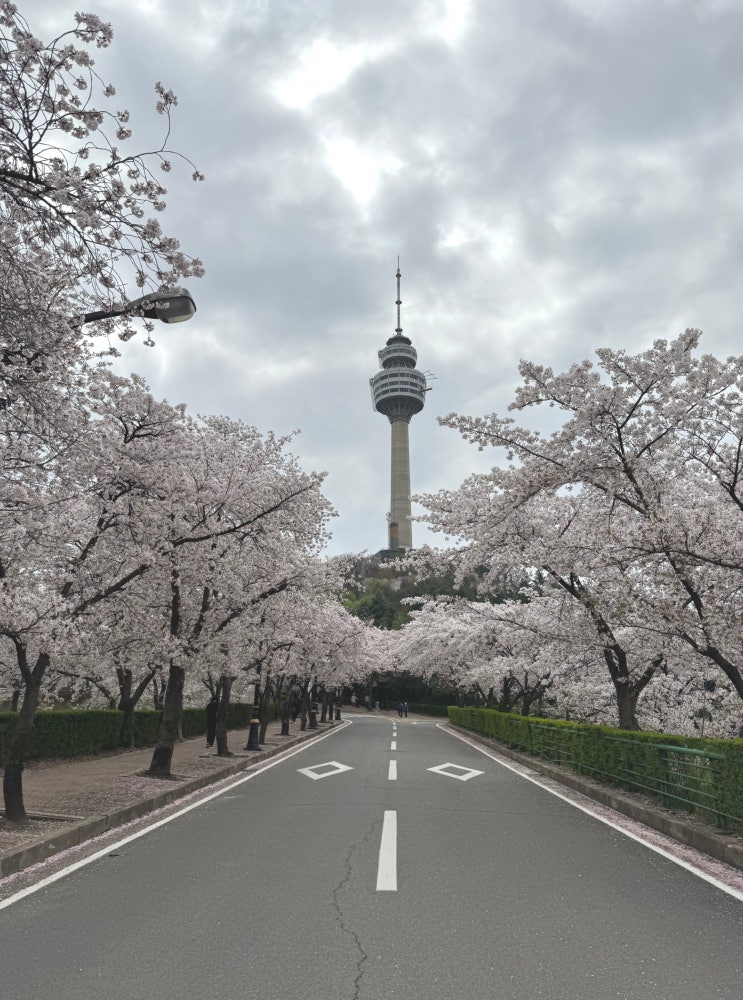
(400,526)
(399,392)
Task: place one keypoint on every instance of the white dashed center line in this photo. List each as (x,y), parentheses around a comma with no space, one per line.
(387,868)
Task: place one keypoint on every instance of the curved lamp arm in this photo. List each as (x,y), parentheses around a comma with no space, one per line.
(169,307)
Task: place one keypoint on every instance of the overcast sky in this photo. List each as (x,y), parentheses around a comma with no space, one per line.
(555,176)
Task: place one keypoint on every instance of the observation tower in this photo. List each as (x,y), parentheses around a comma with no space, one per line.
(399,392)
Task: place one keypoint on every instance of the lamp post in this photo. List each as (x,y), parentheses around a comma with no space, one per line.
(169,307)
(255,716)
(254,732)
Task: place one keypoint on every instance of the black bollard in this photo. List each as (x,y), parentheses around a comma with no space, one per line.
(253,743)
(337,713)
(313,715)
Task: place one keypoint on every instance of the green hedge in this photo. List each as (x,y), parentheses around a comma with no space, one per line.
(427,709)
(704,777)
(77,732)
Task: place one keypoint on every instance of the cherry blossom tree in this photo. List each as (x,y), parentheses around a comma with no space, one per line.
(246,516)
(67,184)
(110,660)
(196,523)
(557,534)
(501,652)
(76,528)
(250,626)
(77,227)
(630,506)
(350,648)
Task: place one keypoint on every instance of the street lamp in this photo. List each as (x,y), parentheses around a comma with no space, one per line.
(169,307)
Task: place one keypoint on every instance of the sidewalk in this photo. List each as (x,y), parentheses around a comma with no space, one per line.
(70,801)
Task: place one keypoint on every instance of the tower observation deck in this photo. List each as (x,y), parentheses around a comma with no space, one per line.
(399,392)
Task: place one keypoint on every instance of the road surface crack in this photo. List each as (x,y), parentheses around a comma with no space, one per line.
(337,892)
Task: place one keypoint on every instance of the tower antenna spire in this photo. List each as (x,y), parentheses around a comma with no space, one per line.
(398,301)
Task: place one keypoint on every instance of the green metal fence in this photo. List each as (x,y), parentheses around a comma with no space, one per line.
(683,778)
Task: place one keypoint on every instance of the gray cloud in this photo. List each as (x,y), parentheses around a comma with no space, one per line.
(556,177)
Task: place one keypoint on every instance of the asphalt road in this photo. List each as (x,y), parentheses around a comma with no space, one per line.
(386,879)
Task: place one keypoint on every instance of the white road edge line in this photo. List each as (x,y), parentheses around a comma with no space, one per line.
(735,893)
(387,868)
(278,759)
(392,774)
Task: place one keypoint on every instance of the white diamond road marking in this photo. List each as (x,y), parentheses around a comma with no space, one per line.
(321,770)
(448,769)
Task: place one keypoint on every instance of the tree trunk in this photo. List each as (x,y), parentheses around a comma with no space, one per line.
(324,710)
(128,701)
(506,700)
(305,708)
(158,699)
(170,724)
(126,733)
(126,705)
(224,689)
(20,741)
(615,656)
(263,713)
(626,706)
(285,712)
(627,692)
(262,731)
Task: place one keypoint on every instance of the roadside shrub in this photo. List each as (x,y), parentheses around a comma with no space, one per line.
(440,710)
(84,732)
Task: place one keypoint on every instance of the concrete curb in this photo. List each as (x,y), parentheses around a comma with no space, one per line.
(93,826)
(716,845)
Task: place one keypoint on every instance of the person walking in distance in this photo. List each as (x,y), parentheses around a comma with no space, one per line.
(211,721)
